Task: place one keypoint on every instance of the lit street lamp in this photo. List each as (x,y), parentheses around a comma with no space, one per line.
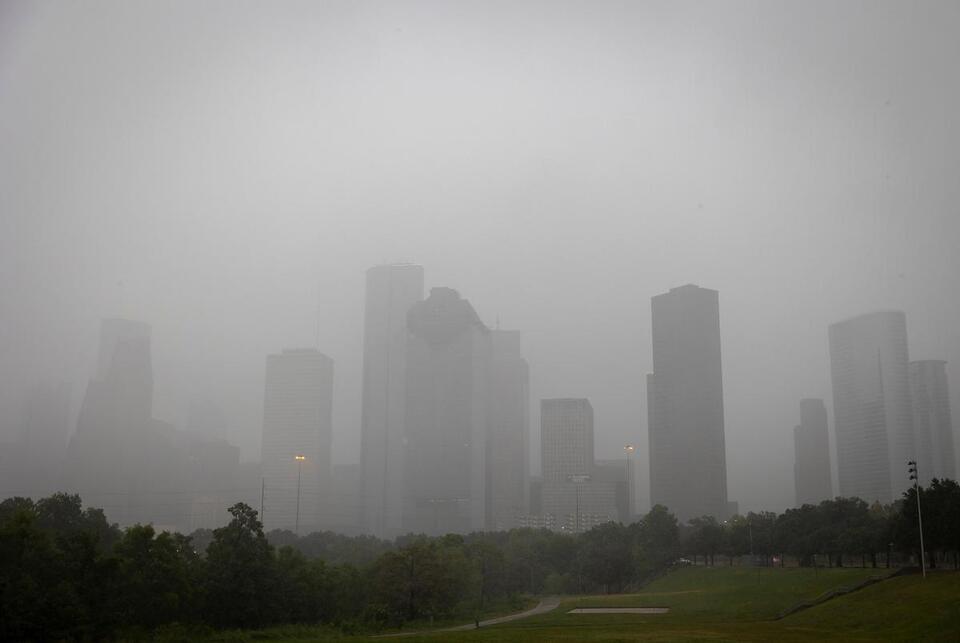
(299,458)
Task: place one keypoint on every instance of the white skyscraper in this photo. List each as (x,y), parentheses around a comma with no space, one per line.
(296,422)
(871,405)
(391,291)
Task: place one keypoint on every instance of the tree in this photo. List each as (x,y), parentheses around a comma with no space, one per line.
(606,555)
(241,573)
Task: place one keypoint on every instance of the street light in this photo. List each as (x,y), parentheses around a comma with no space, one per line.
(628,453)
(299,458)
(578,479)
(915,476)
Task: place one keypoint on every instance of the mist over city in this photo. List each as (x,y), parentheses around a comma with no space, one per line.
(386,274)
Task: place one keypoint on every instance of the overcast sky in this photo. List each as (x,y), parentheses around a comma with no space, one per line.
(226,171)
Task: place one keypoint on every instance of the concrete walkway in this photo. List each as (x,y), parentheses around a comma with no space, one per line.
(545,605)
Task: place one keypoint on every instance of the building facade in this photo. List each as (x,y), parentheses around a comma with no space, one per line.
(688,471)
(873,416)
(932,422)
(297,407)
(508,469)
(571,492)
(391,291)
(813,480)
(446,416)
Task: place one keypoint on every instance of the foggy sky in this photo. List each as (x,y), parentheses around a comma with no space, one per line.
(226,171)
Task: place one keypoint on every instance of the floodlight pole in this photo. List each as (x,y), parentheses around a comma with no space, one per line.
(915,475)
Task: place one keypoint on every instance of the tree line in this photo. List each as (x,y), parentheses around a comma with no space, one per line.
(67,573)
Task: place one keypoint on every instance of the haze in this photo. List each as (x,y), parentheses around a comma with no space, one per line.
(227,171)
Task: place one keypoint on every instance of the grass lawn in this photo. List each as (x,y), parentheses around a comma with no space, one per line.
(737,604)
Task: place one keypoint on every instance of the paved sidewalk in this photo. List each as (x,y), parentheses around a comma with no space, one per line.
(545,605)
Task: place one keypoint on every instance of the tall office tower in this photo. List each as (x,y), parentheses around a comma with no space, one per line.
(42,444)
(508,471)
(566,439)
(106,463)
(391,291)
(445,473)
(688,462)
(873,416)
(296,422)
(813,481)
(932,423)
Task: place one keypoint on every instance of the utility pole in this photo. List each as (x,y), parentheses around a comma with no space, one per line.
(299,459)
(915,476)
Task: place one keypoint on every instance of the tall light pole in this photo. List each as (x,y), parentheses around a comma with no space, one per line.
(578,479)
(915,476)
(299,458)
(628,454)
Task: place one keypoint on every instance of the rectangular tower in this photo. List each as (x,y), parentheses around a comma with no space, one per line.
(391,291)
(297,408)
(871,405)
(688,462)
(932,423)
(446,422)
(508,470)
(813,481)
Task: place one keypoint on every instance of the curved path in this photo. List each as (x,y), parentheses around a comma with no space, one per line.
(546,604)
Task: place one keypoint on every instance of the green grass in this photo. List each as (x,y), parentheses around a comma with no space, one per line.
(738,604)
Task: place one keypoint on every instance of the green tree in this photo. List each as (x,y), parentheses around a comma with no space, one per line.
(241,573)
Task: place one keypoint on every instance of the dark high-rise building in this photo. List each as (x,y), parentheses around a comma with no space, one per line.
(873,416)
(813,481)
(509,435)
(297,411)
(688,470)
(446,419)
(391,291)
(932,423)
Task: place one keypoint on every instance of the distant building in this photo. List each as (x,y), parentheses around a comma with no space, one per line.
(343,513)
(509,435)
(619,474)
(108,462)
(446,421)
(873,415)
(813,481)
(688,471)
(296,422)
(570,492)
(42,444)
(391,292)
(932,423)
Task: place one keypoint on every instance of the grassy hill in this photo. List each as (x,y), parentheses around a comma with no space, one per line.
(738,604)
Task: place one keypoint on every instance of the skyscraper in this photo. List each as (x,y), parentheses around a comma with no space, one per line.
(391,291)
(813,481)
(445,447)
(688,464)
(509,438)
(871,405)
(571,494)
(932,423)
(115,454)
(297,409)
